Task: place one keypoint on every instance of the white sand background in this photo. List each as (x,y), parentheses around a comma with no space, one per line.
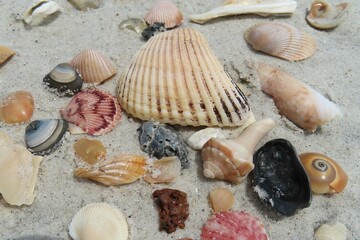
(333,70)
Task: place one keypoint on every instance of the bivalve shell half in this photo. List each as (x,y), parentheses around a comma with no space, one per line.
(39,11)
(93,66)
(94,111)
(84,5)
(99,221)
(42,137)
(18,107)
(5,54)
(90,151)
(164,11)
(281,40)
(338,231)
(175,78)
(221,199)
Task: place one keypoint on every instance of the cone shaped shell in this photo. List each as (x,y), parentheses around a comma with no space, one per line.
(165,12)
(175,78)
(99,221)
(281,40)
(93,66)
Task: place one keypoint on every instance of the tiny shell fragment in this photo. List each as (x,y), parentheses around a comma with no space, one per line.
(17,107)
(5,54)
(90,151)
(221,199)
(164,170)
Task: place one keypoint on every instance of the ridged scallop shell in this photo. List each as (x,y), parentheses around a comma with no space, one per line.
(281,40)
(42,137)
(99,221)
(18,172)
(5,54)
(233,225)
(93,66)
(94,111)
(18,107)
(90,151)
(84,5)
(325,175)
(39,11)
(118,170)
(166,12)
(175,78)
(221,199)
(338,231)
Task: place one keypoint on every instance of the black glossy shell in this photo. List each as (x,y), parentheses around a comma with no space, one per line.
(280,178)
(160,140)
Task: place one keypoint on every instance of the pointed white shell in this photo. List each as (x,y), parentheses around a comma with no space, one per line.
(36,14)
(99,221)
(338,231)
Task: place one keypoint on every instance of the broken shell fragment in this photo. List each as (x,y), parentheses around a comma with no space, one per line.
(199,138)
(338,231)
(90,151)
(279,177)
(84,5)
(99,221)
(233,225)
(192,88)
(136,24)
(5,54)
(325,175)
(122,169)
(281,40)
(164,11)
(18,107)
(236,7)
(298,102)
(232,159)
(164,170)
(63,80)
(93,66)
(18,172)
(42,137)
(38,12)
(94,111)
(221,199)
(324,15)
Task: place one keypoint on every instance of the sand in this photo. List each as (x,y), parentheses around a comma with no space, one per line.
(333,70)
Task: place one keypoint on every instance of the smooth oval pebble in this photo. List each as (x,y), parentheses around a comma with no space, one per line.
(18,107)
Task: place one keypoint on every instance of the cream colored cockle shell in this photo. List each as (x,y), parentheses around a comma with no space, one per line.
(40,10)
(18,172)
(338,231)
(98,221)
(175,78)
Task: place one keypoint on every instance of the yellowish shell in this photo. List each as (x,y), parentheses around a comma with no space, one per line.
(164,11)
(18,107)
(281,40)
(164,170)
(84,5)
(90,151)
(5,54)
(338,231)
(118,170)
(221,199)
(175,78)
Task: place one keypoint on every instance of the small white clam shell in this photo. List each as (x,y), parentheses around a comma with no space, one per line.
(338,231)
(36,14)
(99,221)
(199,138)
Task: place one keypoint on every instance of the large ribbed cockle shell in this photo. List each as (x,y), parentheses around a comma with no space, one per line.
(175,78)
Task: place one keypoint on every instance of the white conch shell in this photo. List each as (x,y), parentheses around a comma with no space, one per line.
(175,78)
(235,7)
(18,172)
(36,14)
(298,102)
(338,231)
(99,221)
(232,159)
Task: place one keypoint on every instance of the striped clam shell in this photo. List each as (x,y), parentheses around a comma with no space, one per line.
(166,12)
(175,78)
(281,40)
(93,66)
(84,5)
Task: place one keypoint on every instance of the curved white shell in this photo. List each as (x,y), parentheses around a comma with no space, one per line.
(338,231)
(199,138)
(99,221)
(36,14)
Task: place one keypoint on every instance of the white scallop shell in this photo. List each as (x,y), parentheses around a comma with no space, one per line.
(99,221)
(338,231)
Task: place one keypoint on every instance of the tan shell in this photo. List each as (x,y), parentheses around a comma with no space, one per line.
(166,12)
(18,107)
(18,172)
(281,40)
(90,151)
(338,231)
(5,54)
(93,66)
(164,170)
(175,78)
(99,221)
(221,199)
(84,5)
(118,170)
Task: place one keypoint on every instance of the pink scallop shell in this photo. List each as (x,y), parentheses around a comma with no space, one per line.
(165,12)
(231,225)
(96,112)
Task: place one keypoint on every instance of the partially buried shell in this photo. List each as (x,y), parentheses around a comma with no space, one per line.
(93,66)
(136,24)
(279,177)
(221,199)
(326,176)
(18,107)
(5,54)
(93,111)
(39,11)
(18,172)
(64,80)
(90,151)
(281,40)
(324,15)
(164,170)
(175,78)
(338,231)
(42,137)
(164,11)
(84,5)
(199,138)
(99,221)
(118,170)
